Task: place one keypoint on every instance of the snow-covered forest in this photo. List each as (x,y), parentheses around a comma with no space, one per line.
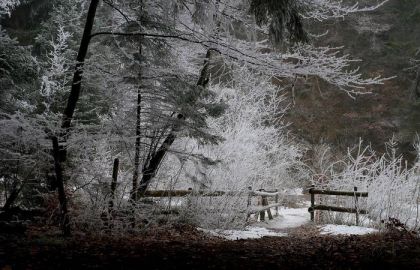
(121,117)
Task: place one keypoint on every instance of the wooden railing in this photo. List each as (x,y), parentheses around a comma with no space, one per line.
(182,193)
(353,193)
(265,206)
(262,208)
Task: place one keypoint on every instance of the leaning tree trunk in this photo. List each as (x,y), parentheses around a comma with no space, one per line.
(13,196)
(150,170)
(60,154)
(77,76)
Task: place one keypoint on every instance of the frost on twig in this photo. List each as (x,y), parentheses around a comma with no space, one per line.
(322,10)
(302,61)
(393,187)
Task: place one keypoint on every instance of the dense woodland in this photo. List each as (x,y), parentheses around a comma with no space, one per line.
(103,102)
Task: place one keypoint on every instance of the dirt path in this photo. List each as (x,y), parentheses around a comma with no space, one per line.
(193,250)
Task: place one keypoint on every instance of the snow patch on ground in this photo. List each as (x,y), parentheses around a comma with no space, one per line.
(288,218)
(332,229)
(248,233)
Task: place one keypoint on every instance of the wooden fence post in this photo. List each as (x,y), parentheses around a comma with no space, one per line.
(265,202)
(248,203)
(262,213)
(356,202)
(277,201)
(312,202)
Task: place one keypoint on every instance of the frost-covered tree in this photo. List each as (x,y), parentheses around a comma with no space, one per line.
(255,150)
(19,146)
(135,79)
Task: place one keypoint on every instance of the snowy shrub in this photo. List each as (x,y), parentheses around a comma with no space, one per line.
(255,152)
(24,157)
(395,191)
(393,187)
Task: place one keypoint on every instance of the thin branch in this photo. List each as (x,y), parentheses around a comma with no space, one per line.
(180,37)
(118,10)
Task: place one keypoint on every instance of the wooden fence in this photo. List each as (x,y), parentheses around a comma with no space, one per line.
(262,208)
(265,206)
(353,193)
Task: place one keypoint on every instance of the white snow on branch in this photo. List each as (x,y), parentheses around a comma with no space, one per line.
(322,10)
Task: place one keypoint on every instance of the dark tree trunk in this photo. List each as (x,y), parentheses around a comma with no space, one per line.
(150,169)
(77,76)
(113,184)
(65,220)
(416,88)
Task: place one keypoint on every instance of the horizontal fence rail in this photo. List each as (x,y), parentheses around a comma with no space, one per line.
(182,193)
(338,193)
(262,208)
(353,193)
(337,209)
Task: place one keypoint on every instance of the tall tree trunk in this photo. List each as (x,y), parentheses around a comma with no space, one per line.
(59,153)
(137,148)
(77,76)
(65,220)
(150,170)
(135,180)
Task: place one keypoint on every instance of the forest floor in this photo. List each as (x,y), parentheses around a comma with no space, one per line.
(186,247)
(289,241)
